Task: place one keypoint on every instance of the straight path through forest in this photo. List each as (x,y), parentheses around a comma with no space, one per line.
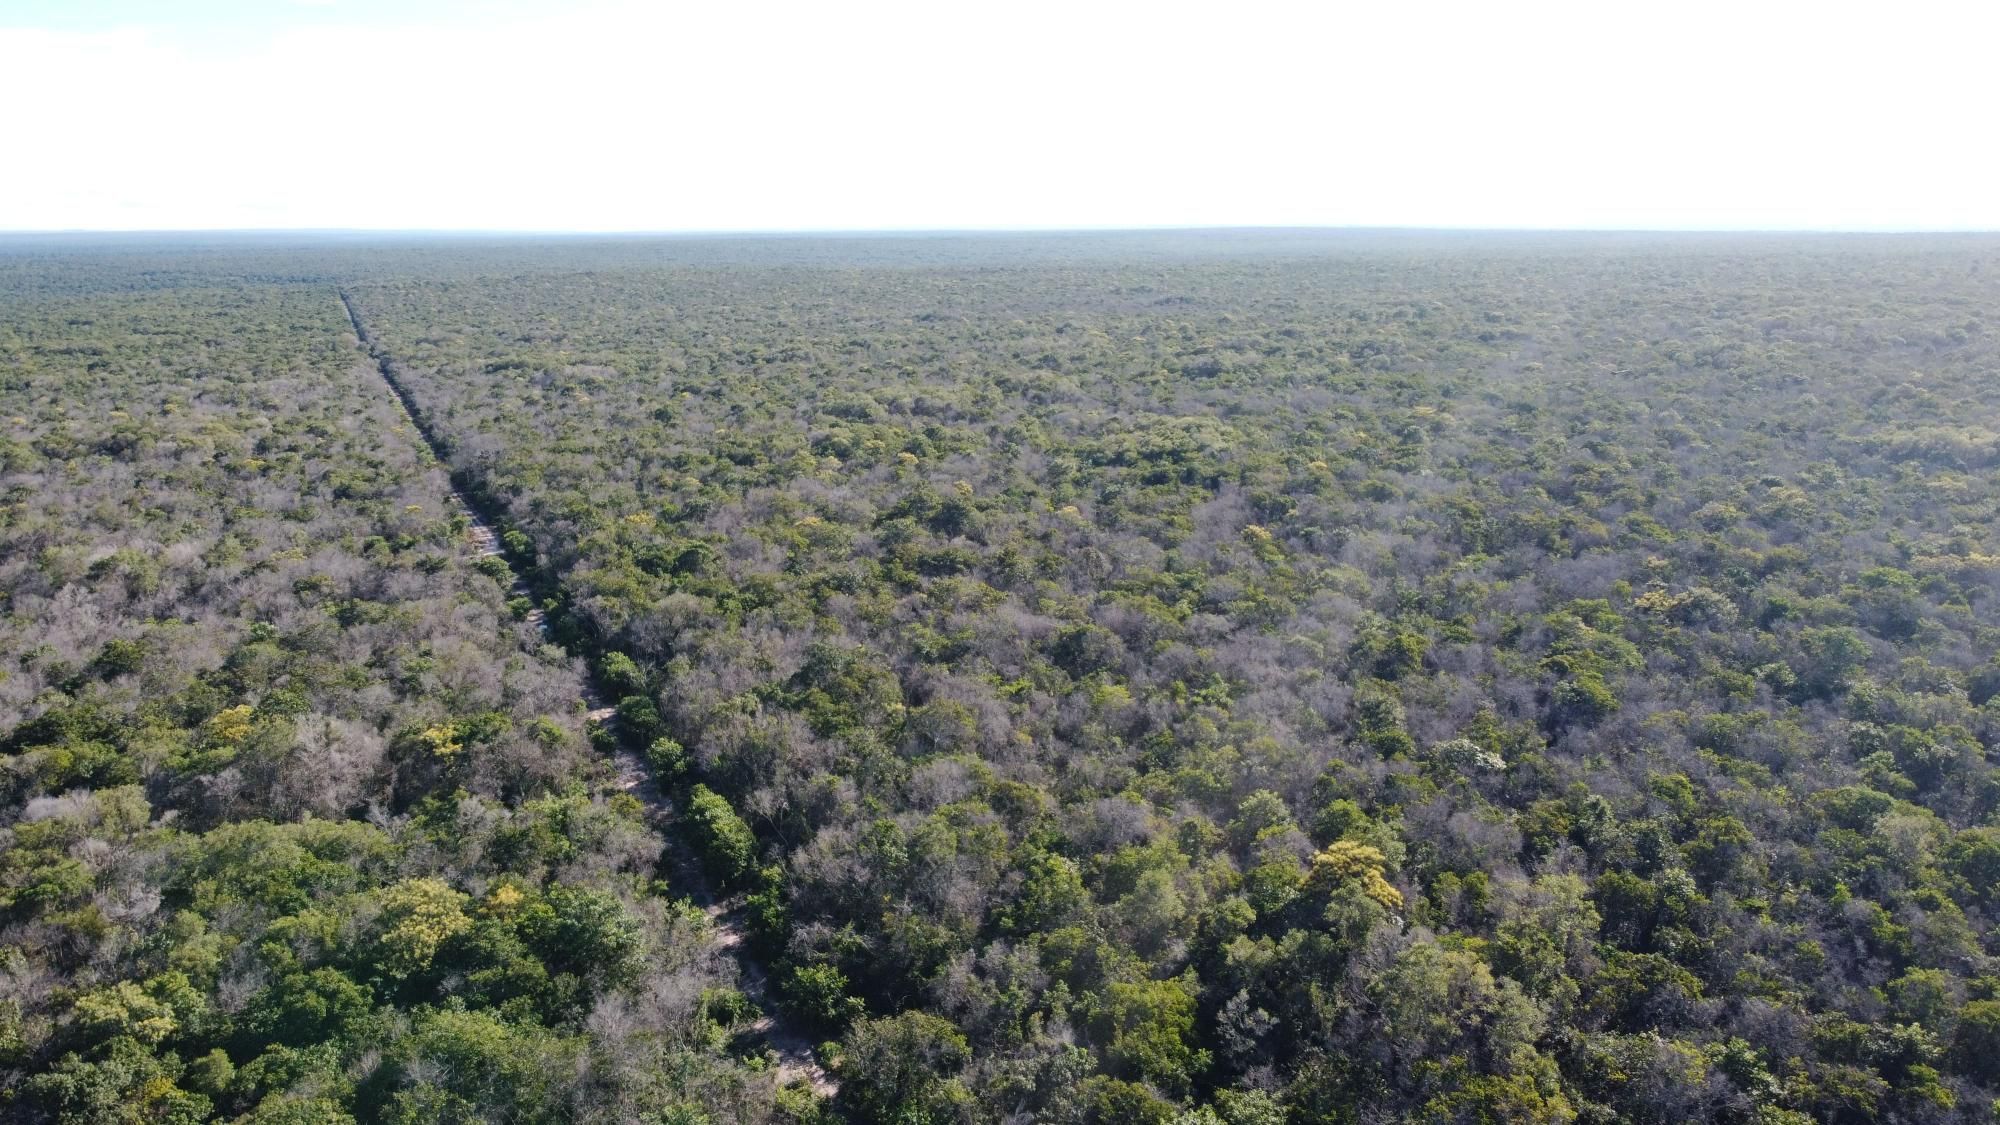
(793,1048)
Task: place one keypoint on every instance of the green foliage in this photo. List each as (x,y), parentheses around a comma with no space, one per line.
(819,994)
(724,841)
(418,917)
(668,759)
(1146,1030)
(1220,678)
(903,1069)
(620,675)
(299,826)
(126,1083)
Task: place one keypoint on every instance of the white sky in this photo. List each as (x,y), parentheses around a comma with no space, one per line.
(722,115)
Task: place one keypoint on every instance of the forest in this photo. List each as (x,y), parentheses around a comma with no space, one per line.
(1184,678)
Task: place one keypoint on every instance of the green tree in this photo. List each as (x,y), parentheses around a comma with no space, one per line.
(903,1069)
(726,845)
(1146,1029)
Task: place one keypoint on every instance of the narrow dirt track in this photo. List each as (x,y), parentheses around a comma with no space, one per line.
(796,1061)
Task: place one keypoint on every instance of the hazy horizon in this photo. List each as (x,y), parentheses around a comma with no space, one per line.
(614,117)
(923,232)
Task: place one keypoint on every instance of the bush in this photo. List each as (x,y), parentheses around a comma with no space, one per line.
(725,843)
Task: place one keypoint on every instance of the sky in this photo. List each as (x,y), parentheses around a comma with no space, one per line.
(609,115)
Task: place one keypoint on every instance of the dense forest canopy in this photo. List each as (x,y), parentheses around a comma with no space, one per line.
(302,822)
(1219,678)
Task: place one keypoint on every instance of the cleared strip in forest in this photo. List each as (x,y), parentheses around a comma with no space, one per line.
(796,1060)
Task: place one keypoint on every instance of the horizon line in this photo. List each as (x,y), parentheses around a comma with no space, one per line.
(754,232)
